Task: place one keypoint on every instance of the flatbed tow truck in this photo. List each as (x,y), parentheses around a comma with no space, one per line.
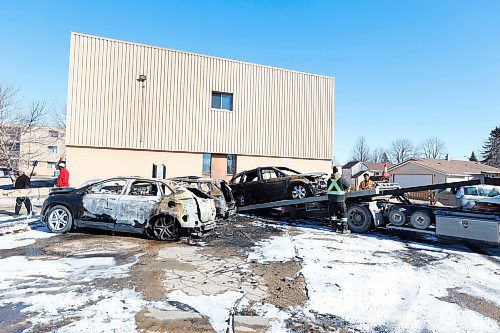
(388,207)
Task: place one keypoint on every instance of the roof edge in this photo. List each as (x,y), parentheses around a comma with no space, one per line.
(74,33)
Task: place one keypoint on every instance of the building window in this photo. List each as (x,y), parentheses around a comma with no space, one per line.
(53,149)
(51,165)
(207,161)
(231,164)
(222,101)
(54,134)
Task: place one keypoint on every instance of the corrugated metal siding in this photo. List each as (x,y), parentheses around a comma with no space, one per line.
(276,112)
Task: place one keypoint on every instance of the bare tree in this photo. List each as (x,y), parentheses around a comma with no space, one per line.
(59,117)
(401,150)
(361,151)
(16,127)
(433,148)
(377,155)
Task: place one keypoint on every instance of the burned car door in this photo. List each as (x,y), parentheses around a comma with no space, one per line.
(100,203)
(272,186)
(250,186)
(138,204)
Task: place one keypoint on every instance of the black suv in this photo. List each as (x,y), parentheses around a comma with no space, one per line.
(275,183)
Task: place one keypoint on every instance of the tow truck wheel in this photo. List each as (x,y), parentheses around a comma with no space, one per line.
(397,217)
(420,220)
(359,219)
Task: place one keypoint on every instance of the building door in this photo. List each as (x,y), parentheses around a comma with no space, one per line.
(219,166)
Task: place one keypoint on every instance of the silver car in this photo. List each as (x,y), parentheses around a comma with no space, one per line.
(466,196)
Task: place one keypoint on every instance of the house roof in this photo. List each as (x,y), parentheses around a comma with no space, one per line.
(376,166)
(453,167)
(349,165)
(359,174)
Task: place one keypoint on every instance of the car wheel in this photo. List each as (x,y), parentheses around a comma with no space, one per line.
(164,228)
(241,200)
(298,191)
(59,219)
(397,217)
(359,219)
(420,220)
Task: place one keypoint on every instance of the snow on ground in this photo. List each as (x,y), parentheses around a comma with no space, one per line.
(375,282)
(216,307)
(21,231)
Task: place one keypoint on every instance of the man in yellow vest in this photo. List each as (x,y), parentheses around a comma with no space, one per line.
(336,200)
(366,184)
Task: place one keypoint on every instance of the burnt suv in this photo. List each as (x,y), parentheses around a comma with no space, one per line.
(275,183)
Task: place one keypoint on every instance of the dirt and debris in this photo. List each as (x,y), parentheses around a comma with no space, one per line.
(208,284)
(467,301)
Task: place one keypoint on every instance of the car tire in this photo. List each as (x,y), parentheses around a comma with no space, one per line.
(420,220)
(397,217)
(163,228)
(359,219)
(298,191)
(59,219)
(240,200)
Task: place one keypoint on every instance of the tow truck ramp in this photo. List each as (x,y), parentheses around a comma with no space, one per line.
(370,208)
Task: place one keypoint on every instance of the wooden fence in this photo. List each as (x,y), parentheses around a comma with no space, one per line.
(429,196)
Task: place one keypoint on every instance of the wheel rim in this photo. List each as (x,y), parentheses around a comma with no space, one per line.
(397,217)
(298,192)
(164,228)
(58,219)
(420,220)
(357,217)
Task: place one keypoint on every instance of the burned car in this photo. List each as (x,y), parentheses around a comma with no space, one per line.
(275,183)
(216,188)
(158,208)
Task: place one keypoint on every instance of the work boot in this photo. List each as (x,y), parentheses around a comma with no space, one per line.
(333,223)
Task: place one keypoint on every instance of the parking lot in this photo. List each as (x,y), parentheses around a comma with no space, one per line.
(248,275)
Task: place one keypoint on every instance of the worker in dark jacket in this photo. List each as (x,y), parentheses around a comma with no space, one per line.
(336,187)
(22,182)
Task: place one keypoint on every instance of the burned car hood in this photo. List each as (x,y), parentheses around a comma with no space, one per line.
(58,190)
(314,174)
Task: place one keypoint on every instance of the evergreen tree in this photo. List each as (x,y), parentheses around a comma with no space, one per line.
(491,149)
(473,157)
(385,158)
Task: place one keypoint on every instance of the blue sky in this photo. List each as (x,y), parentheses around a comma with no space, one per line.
(403,69)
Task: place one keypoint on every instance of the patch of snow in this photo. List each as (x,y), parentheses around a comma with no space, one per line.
(274,249)
(375,281)
(216,307)
(17,236)
(54,289)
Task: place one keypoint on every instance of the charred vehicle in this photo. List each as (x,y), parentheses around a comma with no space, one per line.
(275,183)
(160,209)
(216,188)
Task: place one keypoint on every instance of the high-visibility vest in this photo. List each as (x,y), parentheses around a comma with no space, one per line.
(334,188)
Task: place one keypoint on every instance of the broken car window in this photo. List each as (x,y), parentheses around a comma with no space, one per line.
(109,187)
(268,174)
(141,188)
(251,177)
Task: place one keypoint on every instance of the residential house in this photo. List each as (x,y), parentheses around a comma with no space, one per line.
(353,172)
(417,172)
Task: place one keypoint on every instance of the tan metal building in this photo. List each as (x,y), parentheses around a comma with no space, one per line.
(131,106)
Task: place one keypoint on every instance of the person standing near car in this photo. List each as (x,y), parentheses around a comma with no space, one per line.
(22,182)
(63,178)
(336,187)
